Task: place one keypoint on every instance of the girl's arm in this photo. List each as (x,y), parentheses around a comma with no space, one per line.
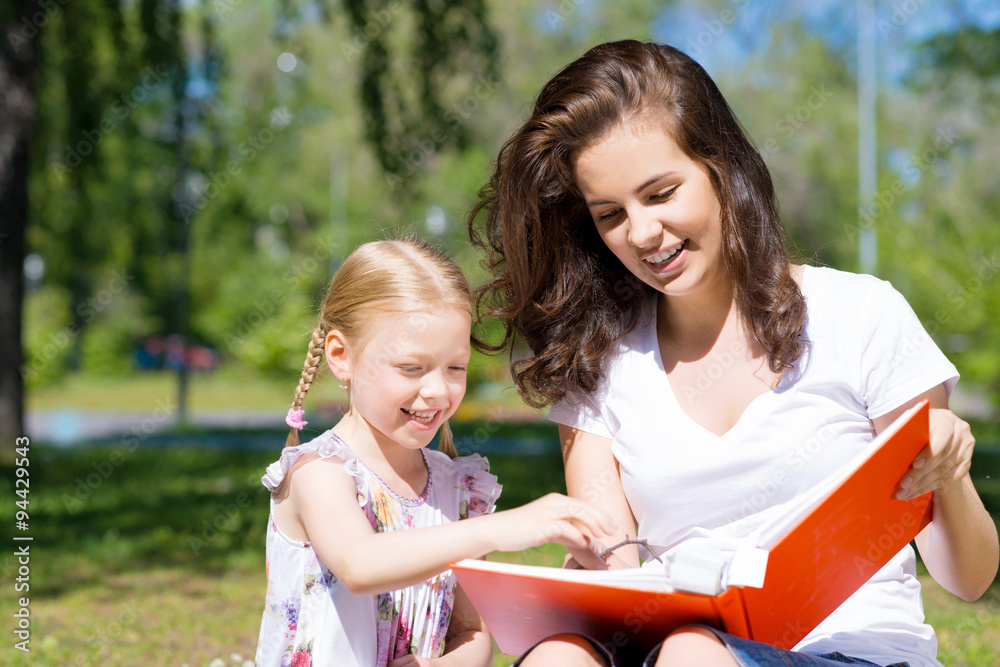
(324,497)
(467,643)
(959,546)
(592,476)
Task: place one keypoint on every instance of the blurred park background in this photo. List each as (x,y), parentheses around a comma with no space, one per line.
(179,179)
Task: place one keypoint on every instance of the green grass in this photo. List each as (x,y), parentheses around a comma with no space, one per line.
(155,555)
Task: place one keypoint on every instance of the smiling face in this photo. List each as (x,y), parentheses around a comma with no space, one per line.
(655,208)
(409,377)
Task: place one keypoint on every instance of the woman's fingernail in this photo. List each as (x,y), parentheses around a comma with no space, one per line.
(906,481)
(918,463)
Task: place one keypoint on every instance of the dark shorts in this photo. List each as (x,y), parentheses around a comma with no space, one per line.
(746,652)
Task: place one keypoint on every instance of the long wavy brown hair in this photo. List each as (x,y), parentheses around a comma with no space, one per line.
(555,281)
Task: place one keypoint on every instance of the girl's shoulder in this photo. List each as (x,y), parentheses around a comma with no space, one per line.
(327,446)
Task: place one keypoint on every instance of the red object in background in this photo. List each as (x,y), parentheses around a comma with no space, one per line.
(157,353)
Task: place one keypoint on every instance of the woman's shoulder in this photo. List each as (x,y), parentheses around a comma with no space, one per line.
(845,294)
(826,278)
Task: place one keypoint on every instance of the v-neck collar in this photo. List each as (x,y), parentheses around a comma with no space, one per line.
(654,342)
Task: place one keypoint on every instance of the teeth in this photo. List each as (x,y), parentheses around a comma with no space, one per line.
(666,255)
(422,416)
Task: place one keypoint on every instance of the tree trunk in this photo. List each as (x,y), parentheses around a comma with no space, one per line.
(18,53)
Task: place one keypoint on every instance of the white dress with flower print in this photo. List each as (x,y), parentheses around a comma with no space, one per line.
(311,619)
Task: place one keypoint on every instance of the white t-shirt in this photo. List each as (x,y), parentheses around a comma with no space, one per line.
(866,355)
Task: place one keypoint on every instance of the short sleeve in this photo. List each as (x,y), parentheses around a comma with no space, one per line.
(326,445)
(479,488)
(583,412)
(899,360)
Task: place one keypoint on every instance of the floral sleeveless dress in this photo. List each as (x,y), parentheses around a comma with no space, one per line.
(311,619)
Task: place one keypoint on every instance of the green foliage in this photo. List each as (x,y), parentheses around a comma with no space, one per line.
(421,92)
(407,84)
(47,336)
(969,50)
(109,342)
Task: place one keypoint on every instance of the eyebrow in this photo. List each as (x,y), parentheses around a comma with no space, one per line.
(639,189)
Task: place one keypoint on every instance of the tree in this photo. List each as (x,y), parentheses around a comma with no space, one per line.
(17,110)
(74,33)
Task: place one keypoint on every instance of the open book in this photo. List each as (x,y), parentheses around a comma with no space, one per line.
(774,587)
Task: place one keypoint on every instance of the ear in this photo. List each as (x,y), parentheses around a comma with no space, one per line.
(337,356)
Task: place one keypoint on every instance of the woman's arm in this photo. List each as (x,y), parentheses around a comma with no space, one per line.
(959,546)
(324,498)
(592,476)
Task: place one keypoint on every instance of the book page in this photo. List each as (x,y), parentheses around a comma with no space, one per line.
(650,578)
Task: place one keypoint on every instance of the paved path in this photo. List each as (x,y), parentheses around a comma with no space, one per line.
(68,427)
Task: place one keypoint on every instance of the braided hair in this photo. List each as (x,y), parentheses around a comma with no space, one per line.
(380,277)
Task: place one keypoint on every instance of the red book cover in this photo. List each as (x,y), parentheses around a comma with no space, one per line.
(811,569)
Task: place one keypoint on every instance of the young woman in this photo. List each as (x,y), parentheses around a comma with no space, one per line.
(633,232)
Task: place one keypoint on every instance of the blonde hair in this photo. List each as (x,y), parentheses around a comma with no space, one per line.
(380,277)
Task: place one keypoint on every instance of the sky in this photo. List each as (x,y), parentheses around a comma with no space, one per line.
(733,30)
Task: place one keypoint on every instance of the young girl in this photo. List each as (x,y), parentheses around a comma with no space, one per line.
(634,235)
(364,519)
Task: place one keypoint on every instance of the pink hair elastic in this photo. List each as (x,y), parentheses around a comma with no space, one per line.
(294,418)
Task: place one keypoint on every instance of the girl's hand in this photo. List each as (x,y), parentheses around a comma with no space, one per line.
(944,462)
(552,518)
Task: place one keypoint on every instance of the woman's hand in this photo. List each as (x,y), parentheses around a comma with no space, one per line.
(553,518)
(944,462)
(959,546)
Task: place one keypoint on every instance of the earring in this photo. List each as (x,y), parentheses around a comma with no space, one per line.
(345,385)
